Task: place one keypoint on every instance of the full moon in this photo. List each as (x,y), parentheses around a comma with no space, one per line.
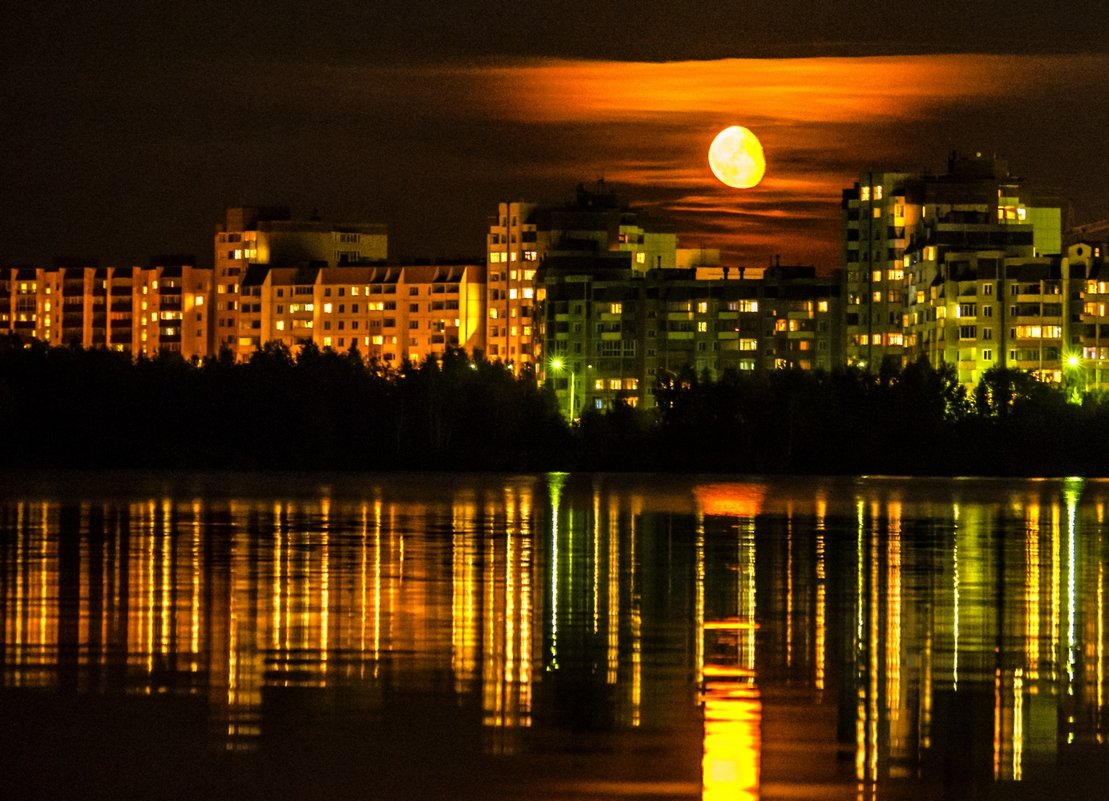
(736,157)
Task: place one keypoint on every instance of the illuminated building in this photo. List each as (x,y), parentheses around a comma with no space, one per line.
(390,313)
(907,234)
(981,310)
(138,310)
(269,235)
(609,331)
(595,222)
(1089,368)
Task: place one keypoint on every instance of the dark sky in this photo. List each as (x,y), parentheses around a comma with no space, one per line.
(127,127)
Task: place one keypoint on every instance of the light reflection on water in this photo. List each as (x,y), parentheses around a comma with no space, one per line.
(554,636)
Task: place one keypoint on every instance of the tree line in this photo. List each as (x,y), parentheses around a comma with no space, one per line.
(321,409)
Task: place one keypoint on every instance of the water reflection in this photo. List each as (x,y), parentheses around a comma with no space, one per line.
(582,636)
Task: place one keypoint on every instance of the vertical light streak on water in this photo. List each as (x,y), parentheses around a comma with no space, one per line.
(194,628)
(699,597)
(955,599)
(166,540)
(148,601)
(1100,641)
(898,736)
(1056,591)
(998,711)
(613,593)
(84,617)
(363,586)
(1032,590)
(325,586)
(1018,725)
(1073,489)
(555,482)
(461,588)
(233,711)
(20,591)
(821,595)
(874,663)
(636,621)
(511,565)
(492,676)
(526,533)
(860,643)
(596,560)
(377,587)
(789,585)
(277,557)
(747,568)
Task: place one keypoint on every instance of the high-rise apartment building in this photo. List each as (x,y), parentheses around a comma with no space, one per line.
(595,222)
(925,257)
(138,310)
(610,331)
(390,313)
(269,235)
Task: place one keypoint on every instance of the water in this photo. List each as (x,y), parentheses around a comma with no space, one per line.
(551,637)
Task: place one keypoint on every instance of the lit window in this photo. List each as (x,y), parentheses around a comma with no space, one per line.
(822,306)
(640,258)
(877,296)
(327,342)
(896,339)
(280,325)
(864,193)
(529,293)
(877,213)
(529,275)
(702,326)
(614,383)
(599,384)
(513,256)
(616,308)
(327,308)
(876,276)
(512,294)
(703,307)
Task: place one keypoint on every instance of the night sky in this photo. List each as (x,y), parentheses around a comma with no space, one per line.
(127,129)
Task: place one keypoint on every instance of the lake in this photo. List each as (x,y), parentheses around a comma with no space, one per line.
(553,636)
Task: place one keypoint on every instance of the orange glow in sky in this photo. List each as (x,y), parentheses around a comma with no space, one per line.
(822,121)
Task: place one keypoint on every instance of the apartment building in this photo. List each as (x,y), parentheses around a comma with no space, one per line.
(390,313)
(921,254)
(251,235)
(140,310)
(596,221)
(610,331)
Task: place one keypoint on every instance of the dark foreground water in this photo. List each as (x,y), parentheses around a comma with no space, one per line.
(551,637)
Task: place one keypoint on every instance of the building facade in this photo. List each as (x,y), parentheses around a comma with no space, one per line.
(962,268)
(251,235)
(140,310)
(611,331)
(595,222)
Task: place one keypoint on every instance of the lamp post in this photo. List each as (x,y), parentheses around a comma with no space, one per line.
(1078,374)
(558,367)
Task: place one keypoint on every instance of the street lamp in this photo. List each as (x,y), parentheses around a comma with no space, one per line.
(557,368)
(1077,382)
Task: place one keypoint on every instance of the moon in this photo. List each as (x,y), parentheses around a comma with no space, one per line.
(736,157)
